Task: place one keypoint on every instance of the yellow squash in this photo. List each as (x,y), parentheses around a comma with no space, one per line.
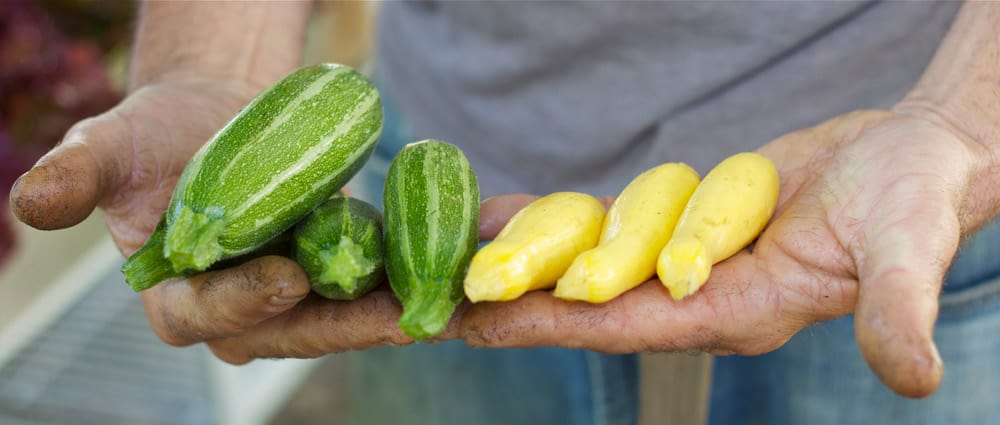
(535,247)
(728,210)
(637,227)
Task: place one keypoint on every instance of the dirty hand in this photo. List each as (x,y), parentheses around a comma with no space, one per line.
(127,161)
(185,86)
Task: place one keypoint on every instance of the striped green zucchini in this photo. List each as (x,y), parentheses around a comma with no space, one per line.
(147,267)
(339,245)
(286,152)
(431,209)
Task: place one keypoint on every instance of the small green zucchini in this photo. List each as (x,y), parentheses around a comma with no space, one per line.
(285,153)
(339,245)
(431,212)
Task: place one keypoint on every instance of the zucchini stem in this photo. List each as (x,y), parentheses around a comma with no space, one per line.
(343,264)
(147,266)
(427,313)
(193,240)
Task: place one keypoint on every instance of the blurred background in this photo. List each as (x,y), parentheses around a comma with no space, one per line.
(75,347)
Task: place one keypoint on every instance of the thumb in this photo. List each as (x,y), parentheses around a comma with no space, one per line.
(900,274)
(66,184)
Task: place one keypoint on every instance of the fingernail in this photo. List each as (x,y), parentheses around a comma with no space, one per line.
(283,301)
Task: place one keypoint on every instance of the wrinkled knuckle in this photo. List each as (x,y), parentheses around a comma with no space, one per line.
(108,126)
(659,345)
(746,350)
(647,344)
(170,329)
(83,129)
(171,337)
(396,338)
(718,351)
(223,351)
(729,348)
(475,339)
(307,349)
(758,346)
(703,338)
(228,322)
(483,337)
(471,335)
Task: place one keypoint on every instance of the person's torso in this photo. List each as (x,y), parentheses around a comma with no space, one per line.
(547,96)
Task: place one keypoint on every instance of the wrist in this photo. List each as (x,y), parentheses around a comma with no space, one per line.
(245,44)
(960,92)
(980,200)
(960,88)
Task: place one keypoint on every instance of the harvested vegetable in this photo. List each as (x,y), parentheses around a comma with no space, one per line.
(286,152)
(339,245)
(535,247)
(638,225)
(431,212)
(727,211)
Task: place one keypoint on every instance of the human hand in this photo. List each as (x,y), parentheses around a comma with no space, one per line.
(127,161)
(871,210)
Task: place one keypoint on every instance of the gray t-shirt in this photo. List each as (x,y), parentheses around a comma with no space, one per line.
(550,96)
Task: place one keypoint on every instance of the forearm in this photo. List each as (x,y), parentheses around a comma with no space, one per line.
(960,90)
(251,42)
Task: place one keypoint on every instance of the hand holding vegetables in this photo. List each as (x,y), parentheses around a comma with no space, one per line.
(842,240)
(871,203)
(873,206)
(127,161)
(829,250)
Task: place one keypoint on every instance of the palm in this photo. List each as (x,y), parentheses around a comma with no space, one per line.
(844,197)
(160,126)
(861,207)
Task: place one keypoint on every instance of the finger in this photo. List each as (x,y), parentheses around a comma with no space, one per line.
(607,201)
(65,186)
(226,302)
(900,276)
(737,311)
(318,326)
(495,212)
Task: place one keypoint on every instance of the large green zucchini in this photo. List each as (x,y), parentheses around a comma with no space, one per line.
(286,152)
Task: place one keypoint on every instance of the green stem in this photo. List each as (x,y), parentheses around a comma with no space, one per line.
(344,264)
(427,314)
(192,241)
(147,267)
